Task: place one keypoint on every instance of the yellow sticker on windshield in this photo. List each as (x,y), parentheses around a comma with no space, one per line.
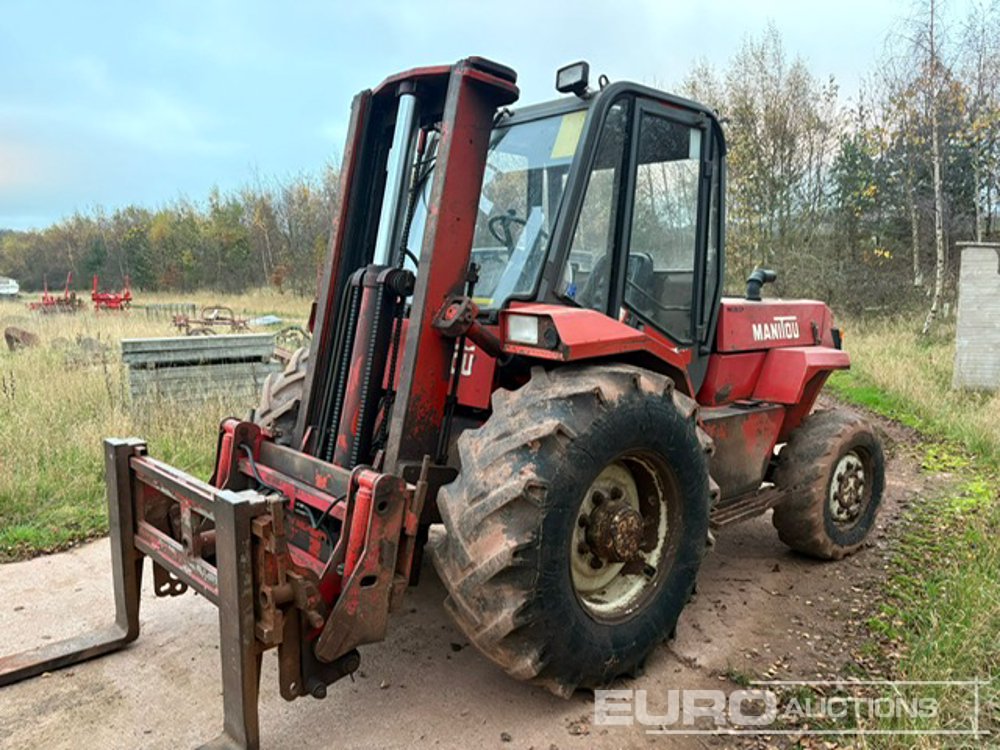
(569,134)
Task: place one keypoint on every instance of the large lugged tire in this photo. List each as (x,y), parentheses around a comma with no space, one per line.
(568,476)
(834,470)
(280,397)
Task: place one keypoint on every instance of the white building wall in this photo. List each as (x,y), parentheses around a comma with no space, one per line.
(977,344)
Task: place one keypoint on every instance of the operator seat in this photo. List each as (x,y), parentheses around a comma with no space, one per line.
(594,293)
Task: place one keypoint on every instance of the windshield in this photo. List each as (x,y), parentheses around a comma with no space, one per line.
(522,185)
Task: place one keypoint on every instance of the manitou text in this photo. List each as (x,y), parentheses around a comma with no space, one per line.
(782,328)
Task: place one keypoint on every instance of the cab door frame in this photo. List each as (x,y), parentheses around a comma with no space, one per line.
(698,334)
(646,100)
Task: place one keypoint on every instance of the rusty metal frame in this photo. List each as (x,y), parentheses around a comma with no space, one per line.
(360,614)
(238,645)
(126,564)
(229,582)
(472,98)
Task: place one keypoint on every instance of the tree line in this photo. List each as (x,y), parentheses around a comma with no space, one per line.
(860,203)
(863,204)
(265,234)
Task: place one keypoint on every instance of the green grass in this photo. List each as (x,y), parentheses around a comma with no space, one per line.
(907,377)
(54,413)
(939,618)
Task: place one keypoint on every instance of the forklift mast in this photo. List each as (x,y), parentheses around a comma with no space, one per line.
(360,308)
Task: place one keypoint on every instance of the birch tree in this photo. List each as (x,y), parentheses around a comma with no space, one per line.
(980,68)
(924,50)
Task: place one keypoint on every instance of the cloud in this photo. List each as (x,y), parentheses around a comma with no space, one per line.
(333,131)
(159,121)
(145,117)
(26,166)
(93,74)
(211,46)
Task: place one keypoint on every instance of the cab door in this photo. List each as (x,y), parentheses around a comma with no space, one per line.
(668,255)
(647,226)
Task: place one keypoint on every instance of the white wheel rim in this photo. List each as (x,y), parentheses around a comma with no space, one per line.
(613,589)
(847,489)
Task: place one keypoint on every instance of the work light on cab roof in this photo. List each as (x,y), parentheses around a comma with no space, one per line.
(573,78)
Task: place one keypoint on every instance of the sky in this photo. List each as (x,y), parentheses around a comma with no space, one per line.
(112,103)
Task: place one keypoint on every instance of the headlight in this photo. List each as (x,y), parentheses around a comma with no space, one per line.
(522,329)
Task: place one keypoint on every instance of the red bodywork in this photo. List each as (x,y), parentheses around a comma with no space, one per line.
(588,334)
(767,365)
(112,300)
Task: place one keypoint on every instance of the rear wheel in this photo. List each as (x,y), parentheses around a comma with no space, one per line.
(280,397)
(834,470)
(577,524)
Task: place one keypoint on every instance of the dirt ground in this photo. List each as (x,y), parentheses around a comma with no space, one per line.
(760,611)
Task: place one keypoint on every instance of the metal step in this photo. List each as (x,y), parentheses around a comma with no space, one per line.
(745,507)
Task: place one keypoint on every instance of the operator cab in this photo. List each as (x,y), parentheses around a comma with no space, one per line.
(609,200)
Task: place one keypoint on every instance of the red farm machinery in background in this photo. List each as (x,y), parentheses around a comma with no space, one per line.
(519,335)
(67,302)
(116,301)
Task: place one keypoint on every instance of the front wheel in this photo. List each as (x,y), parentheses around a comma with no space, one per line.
(834,471)
(577,524)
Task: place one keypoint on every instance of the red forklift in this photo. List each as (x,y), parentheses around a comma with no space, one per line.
(519,335)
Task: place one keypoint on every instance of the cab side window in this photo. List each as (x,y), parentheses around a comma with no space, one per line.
(586,277)
(659,283)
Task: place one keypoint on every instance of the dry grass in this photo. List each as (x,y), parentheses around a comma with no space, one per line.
(55,409)
(900,373)
(939,616)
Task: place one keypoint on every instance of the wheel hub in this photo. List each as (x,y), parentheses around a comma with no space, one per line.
(614,530)
(847,489)
(619,542)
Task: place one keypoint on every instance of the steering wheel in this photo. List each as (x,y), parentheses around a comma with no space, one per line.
(500,225)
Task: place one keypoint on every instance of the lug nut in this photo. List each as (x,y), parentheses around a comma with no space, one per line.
(598,497)
(583,522)
(616,493)
(596,563)
(583,548)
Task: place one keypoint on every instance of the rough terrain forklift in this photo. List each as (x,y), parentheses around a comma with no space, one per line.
(520,335)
